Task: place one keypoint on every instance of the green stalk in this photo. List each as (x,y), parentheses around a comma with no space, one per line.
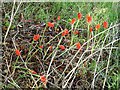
(30,49)
(16,62)
(92,44)
(88,36)
(42,37)
(77,24)
(72,36)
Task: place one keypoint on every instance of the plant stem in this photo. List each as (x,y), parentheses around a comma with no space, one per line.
(88,36)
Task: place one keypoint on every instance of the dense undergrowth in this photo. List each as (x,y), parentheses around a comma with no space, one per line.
(61,45)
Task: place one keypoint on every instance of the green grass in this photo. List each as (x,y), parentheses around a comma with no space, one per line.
(67,10)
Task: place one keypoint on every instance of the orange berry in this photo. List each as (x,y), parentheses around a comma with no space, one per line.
(76,32)
(43,79)
(65,32)
(91,29)
(89,19)
(41,47)
(105,24)
(17,52)
(50,48)
(36,37)
(62,47)
(97,26)
(50,24)
(58,18)
(73,21)
(78,45)
(79,16)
